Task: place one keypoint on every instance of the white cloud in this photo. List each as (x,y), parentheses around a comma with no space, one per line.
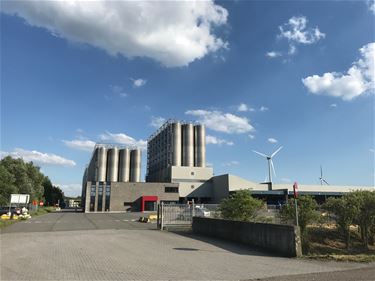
(251,137)
(358,80)
(263,108)
(231,163)
(222,122)
(173,33)
(243,107)
(71,189)
(295,31)
(371,5)
(137,83)
(217,141)
(38,157)
(273,54)
(157,122)
(118,90)
(333,105)
(123,139)
(85,145)
(272,140)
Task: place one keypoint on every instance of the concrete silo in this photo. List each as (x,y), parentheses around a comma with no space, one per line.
(188,145)
(124,165)
(176,144)
(102,164)
(199,146)
(91,169)
(112,164)
(135,165)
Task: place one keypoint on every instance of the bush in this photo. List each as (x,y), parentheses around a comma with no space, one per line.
(240,206)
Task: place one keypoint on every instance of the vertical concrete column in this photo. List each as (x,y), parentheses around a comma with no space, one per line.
(176,144)
(124,165)
(199,146)
(102,164)
(188,145)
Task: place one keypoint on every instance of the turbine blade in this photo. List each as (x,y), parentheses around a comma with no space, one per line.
(325,181)
(261,154)
(273,168)
(321,171)
(273,154)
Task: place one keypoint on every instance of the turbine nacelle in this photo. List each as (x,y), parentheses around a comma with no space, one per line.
(270,162)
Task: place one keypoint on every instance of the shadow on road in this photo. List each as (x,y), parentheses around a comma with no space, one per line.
(237,248)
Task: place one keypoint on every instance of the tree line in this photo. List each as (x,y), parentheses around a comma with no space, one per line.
(20,177)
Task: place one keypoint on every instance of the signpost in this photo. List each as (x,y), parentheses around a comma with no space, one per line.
(295,193)
(18,199)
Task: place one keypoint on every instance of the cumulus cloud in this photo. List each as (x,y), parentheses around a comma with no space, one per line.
(222,122)
(121,138)
(297,32)
(263,108)
(157,122)
(173,33)
(217,141)
(71,189)
(273,54)
(85,145)
(371,5)
(251,137)
(38,157)
(333,105)
(272,140)
(137,83)
(358,80)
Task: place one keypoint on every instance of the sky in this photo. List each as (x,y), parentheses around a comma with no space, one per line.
(258,74)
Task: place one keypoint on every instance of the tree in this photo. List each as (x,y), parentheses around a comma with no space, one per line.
(306,212)
(345,210)
(7,186)
(52,194)
(240,206)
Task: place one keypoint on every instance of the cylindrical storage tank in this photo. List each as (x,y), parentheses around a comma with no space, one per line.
(112,164)
(199,146)
(188,145)
(176,143)
(102,164)
(91,172)
(135,165)
(124,165)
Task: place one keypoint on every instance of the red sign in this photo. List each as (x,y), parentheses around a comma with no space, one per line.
(41,203)
(35,203)
(295,189)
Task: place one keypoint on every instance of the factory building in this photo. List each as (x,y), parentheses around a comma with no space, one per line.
(176,153)
(111,182)
(176,172)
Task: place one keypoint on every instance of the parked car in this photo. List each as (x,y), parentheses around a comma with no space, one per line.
(200,211)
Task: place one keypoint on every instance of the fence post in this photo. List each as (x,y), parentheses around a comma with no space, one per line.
(162,216)
(192,210)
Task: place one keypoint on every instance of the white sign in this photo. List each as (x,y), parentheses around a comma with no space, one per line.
(19,198)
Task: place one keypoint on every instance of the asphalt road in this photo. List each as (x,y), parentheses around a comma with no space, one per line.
(77,246)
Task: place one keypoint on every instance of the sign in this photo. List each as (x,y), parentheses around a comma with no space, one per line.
(19,198)
(295,190)
(35,203)
(41,203)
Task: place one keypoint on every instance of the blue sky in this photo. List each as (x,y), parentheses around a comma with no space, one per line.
(259,74)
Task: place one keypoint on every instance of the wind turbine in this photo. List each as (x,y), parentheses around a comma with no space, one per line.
(270,163)
(321,177)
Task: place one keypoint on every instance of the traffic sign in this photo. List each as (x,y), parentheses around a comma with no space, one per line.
(295,190)
(41,203)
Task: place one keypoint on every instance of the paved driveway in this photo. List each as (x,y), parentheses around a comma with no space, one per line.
(112,247)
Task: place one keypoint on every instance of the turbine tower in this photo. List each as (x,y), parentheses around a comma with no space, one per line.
(270,163)
(322,180)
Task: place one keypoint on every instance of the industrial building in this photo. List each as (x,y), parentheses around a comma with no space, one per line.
(176,172)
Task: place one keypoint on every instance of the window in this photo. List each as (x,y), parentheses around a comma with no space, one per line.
(100,198)
(171,189)
(92,198)
(192,186)
(192,173)
(107,196)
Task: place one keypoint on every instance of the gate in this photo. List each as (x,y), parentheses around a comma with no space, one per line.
(181,215)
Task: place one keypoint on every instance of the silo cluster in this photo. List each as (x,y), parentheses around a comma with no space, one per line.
(112,164)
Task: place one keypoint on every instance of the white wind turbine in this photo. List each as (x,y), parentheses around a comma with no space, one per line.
(270,163)
(321,177)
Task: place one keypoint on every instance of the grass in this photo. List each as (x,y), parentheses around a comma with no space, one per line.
(326,242)
(41,211)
